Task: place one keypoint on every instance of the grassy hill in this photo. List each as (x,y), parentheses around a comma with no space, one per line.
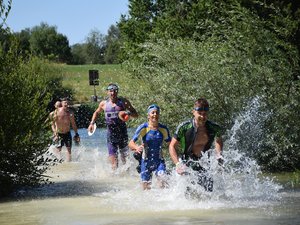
(77,78)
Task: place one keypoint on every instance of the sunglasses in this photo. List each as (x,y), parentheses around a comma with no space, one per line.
(201,109)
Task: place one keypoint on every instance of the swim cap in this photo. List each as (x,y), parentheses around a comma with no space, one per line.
(153,107)
(112,87)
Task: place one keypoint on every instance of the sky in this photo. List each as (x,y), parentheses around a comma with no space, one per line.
(73,18)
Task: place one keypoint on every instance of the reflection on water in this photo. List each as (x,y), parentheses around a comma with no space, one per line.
(86,191)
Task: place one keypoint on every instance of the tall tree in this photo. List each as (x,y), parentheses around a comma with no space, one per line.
(137,27)
(95,47)
(46,42)
(4,11)
(112,45)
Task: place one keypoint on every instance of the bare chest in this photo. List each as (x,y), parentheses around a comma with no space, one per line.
(200,141)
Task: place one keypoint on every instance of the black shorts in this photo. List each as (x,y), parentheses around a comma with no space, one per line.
(64,139)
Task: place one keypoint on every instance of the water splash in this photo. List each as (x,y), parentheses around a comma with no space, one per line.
(239,184)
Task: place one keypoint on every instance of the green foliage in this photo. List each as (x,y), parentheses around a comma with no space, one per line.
(235,56)
(26,87)
(84,113)
(112,46)
(5,7)
(45,42)
(95,44)
(79,54)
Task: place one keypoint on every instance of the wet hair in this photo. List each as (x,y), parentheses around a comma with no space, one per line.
(201,102)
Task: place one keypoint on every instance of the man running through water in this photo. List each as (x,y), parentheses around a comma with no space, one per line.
(63,119)
(194,137)
(117,137)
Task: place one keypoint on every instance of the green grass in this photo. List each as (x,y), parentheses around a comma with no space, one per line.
(76,77)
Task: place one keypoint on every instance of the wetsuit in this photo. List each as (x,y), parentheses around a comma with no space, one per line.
(117,137)
(152,158)
(185,134)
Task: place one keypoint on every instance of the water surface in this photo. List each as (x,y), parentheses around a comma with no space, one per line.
(86,191)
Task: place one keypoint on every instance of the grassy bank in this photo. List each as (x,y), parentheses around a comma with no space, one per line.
(77,78)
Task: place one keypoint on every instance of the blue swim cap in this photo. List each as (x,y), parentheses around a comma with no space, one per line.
(153,107)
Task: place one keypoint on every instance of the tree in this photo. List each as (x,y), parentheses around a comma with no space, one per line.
(95,47)
(137,27)
(112,50)
(24,40)
(79,54)
(45,42)
(26,88)
(4,11)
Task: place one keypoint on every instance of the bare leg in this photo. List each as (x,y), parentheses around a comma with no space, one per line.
(57,153)
(68,157)
(114,162)
(146,185)
(124,154)
(162,183)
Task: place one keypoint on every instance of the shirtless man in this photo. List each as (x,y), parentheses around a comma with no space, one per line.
(62,120)
(195,137)
(57,105)
(117,137)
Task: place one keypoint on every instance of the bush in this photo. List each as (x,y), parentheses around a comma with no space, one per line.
(229,74)
(26,88)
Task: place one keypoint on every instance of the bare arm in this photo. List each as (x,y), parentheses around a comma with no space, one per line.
(95,115)
(173,152)
(134,147)
(53,127)
(219,147)
(51,118)
(73,123)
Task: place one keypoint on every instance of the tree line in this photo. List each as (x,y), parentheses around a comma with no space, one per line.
(45,42)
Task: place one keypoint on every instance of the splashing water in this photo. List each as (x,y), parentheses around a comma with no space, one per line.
(238,184)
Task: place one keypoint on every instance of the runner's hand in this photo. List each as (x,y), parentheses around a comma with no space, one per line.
(139,149)
(90,128)
(180,168)
(76,138)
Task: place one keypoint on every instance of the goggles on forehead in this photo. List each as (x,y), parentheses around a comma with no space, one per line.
(153,107)
(201,109)
(112,87)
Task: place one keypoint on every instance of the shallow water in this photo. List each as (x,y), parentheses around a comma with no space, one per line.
(86,191)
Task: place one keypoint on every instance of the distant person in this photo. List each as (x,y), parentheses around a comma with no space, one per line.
(151,136)
(62,121)
(193,138)
(117,138)
(57,105)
